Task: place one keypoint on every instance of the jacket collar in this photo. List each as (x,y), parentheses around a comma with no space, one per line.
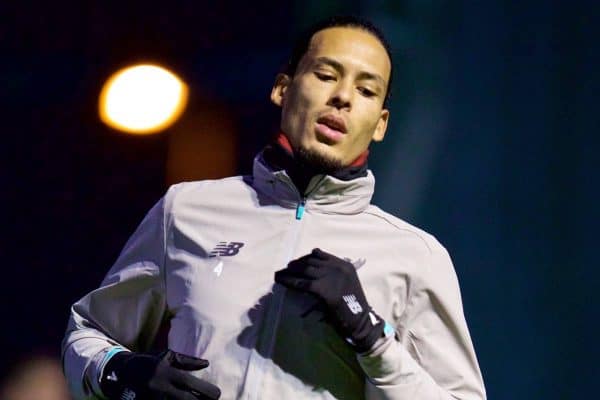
(280,155)
(346,194)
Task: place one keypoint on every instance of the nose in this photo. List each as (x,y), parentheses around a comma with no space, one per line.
(341,97)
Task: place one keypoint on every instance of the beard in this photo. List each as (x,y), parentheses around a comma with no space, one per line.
(317,162)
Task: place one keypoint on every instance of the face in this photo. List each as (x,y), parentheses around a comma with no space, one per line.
(333,105)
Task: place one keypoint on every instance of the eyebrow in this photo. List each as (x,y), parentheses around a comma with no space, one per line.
(339,67)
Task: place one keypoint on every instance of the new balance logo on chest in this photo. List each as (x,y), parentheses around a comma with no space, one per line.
(226,249)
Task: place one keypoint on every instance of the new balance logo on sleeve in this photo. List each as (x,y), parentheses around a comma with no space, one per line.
(352,303)
(112,377)
(225,249)
(128,394)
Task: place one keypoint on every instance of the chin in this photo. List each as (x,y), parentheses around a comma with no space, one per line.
(319,159)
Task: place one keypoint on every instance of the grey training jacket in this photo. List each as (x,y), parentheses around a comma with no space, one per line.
(204,259)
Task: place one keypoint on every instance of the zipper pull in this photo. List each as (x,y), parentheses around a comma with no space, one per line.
(300,209)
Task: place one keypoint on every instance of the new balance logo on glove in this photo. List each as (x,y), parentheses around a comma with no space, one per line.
(225,249)
(352,304)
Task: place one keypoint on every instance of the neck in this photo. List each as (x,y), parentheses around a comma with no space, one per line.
(280,155)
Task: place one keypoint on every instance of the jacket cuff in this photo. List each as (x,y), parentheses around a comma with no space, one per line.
(95,369)
(373,361)
(388,363)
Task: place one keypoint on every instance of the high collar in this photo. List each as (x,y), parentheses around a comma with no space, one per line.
(283,142)
(324,193)
(280,156)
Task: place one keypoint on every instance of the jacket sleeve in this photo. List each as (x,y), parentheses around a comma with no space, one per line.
(432,357)
(126,310)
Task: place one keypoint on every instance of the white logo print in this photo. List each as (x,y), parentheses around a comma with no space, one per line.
(352,303)
(218,268)
(374,320)
(128,394)
(112,377)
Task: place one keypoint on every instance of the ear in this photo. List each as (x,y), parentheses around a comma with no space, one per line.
(282,81)
(381,126)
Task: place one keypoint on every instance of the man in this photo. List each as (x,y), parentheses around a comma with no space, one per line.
(288,282)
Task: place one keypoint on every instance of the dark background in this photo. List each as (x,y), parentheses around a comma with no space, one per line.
(491,148)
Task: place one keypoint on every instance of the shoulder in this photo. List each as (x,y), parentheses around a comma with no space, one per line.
(437,269)
(206,191)
(428,242)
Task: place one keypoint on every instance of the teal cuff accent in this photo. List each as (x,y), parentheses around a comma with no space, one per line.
(388,330)
(112,352)
(109,354)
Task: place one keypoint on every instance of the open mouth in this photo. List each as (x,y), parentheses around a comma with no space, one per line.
(333,122)
(330,129)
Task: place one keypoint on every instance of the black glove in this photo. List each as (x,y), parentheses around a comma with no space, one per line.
(150,377)
(335,282)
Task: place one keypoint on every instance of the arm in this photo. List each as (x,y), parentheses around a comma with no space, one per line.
(433,358)
(126,310)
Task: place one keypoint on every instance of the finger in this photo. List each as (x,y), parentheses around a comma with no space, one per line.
(295,272)
(320,254)
(208,394)
(303,258)
(304,270)
(327,265)
(325,256)
(320,287)
(291,281)
(173,393)
(190,383)
(185,362)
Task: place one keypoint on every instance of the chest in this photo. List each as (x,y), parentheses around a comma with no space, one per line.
(222,262)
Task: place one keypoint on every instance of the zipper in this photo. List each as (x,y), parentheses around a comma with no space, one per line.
(258,363)
(274,312)
(300,208)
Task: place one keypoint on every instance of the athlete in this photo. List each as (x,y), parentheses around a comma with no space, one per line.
(286,283)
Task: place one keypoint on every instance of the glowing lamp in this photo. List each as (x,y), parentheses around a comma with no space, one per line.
(142,99)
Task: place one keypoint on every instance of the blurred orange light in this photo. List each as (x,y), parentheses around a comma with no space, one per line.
(142,99)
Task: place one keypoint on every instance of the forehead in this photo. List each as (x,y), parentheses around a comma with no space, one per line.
(353,47)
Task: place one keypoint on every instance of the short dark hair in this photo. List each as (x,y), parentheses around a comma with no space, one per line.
(347,21)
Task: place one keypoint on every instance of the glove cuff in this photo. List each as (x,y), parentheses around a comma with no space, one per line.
(128,374)
(103,358)
(371,328)
(111,380)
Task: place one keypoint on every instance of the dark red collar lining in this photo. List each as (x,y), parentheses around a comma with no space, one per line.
(285,143)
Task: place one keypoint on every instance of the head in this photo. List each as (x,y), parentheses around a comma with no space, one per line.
(333,92)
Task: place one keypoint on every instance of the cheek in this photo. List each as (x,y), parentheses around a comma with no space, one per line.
(294,104)
(367,125)
(364,129)
(297,111)
(308,94)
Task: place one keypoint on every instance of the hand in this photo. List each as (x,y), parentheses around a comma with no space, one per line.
(149,377)
(335,282)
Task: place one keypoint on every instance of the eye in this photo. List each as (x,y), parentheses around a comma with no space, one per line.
(366,92)
(324,77)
